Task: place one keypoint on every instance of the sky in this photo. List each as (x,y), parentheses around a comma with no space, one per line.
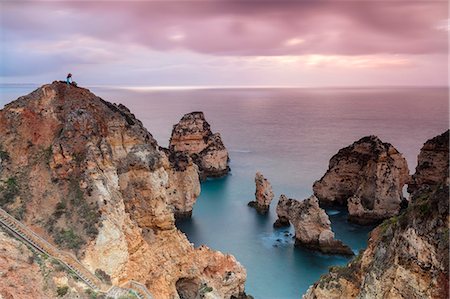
(302,43)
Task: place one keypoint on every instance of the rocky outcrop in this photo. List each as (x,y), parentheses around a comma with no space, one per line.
(312,225)
(87,176)
(367,177)
(193,136)
(263,194)
(182,195)
(432,164)
(407,255)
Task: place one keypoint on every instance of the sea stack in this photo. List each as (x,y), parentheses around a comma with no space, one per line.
(367,177)
(88,177)
(312,225)
(193,136)
(263,194)
(407,256)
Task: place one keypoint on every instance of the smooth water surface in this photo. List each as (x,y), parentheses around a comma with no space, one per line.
(289,135)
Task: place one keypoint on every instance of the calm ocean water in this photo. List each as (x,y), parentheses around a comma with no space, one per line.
(289,135)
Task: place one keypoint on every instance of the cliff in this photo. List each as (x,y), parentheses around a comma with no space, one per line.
(193,135)
(263,194)
(432,164)
(407,255)
(87,176)
(311,223)
(367,177)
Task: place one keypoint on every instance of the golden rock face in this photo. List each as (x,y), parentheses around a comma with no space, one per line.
(85,168)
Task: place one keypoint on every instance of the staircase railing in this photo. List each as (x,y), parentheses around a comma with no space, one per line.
(69,260)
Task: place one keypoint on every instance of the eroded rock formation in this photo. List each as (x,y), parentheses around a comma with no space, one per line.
(87,176)
(368,177)
(193,135)
(407,255)
(312,225)
(263,194)
(432,164)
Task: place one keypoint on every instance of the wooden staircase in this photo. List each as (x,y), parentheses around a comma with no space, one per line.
(69,260)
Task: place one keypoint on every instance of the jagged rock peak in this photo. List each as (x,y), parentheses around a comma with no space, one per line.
(367,177)
(192,134)
(312,225)
(263,194)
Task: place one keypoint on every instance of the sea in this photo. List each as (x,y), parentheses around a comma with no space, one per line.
(288,134)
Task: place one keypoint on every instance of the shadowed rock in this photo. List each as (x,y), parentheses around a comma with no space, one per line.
(407,256)
(367,177)
(312,225)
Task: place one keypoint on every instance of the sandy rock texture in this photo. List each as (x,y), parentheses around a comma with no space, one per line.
(432,164)
(26,274)
(407,255)
(367,177)
(193,135)
(88,177)
(312,225)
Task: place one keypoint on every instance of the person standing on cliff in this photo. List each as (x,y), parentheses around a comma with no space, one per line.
(69,79)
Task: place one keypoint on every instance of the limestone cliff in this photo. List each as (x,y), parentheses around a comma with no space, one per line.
(312,225)
(407,255)
(368,177)
(87,176)
(432,164)
(193,135)
(263,194)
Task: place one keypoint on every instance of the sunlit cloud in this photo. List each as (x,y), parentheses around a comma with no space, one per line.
(305,43)
(294,42)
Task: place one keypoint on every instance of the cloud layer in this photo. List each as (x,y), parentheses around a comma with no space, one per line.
(40,37)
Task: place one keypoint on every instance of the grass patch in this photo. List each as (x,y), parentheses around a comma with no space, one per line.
(47,154)
(62,290)
(89,214)
(4,156)
(68,239)
(9,191)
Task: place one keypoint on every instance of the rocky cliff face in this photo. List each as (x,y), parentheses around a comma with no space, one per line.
(193,136)
(263,194)
(407,255)
(368,177)
(311,223)
(87,176)
(432,164)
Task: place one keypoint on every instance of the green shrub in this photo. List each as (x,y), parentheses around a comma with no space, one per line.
(68,239)
(47,154)
(60,209)
(4,155)
(61,291)
(92,294)
(9,191)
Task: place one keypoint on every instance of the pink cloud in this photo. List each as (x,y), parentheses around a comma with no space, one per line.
(246,28)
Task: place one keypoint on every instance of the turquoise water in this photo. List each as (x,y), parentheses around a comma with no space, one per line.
(289,135)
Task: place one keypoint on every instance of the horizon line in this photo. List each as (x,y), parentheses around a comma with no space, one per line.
(202,87)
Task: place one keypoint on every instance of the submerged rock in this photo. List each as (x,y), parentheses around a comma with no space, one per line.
(263,194)
(85,174)
(407,255)
(312,225)
(367,177)
(193,136)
